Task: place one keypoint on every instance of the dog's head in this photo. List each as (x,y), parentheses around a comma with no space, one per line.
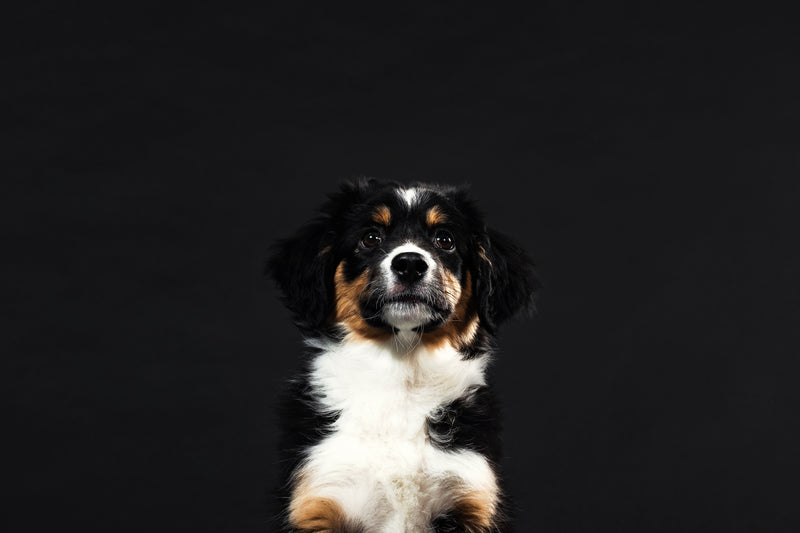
(384,258)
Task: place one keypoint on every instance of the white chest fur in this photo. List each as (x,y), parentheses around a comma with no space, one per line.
(377,463)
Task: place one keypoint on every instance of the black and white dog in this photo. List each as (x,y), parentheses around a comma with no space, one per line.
(398,291)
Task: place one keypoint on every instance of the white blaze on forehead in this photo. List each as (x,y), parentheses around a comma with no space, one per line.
(409,196)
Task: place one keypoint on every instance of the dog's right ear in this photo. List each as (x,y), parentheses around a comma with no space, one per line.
(303,268)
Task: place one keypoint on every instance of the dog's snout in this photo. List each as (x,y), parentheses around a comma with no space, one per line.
(409,266)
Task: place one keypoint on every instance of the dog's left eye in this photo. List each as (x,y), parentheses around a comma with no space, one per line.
(371,239)
(444,240)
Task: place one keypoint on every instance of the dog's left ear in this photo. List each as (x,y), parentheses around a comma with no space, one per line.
(302,267)
(506,280)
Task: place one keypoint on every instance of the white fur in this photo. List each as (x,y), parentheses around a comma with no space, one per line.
(403,316)
(378,463)
(386,263)
(409,195)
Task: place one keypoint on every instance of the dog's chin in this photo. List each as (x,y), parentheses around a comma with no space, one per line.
(408,315)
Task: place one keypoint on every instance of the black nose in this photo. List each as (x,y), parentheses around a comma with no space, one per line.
(409,266)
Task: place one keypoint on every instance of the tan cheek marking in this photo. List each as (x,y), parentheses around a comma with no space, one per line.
(434,216)
(382,215)
(452,287)
(349,295)
(460,329)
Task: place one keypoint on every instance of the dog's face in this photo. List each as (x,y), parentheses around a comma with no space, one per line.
(385,259)
(401,264)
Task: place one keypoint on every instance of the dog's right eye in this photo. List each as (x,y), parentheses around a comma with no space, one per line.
(371,239)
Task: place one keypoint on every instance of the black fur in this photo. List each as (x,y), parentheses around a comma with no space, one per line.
(303,424)
(472,422)
(506,283)
(305,276)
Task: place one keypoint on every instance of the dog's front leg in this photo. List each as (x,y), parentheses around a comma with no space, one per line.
(472,513)
(319,515)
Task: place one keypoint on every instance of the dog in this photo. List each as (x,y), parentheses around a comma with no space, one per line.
(391,427)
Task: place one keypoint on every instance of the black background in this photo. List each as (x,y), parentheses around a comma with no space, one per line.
(647,158)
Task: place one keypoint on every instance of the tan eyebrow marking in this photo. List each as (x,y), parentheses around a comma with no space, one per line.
(382,215)
(435,216)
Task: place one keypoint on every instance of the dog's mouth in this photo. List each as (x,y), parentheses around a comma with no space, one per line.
(408,310)
(415,301)
(408,298)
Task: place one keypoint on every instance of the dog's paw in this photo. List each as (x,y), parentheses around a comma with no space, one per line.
(320,515)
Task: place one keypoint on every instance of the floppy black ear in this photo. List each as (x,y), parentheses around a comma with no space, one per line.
(506,280)
(302,267)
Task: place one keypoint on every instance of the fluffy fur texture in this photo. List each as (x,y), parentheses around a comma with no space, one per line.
(392,428)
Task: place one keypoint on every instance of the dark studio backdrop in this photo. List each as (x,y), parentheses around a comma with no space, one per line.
(646,157)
